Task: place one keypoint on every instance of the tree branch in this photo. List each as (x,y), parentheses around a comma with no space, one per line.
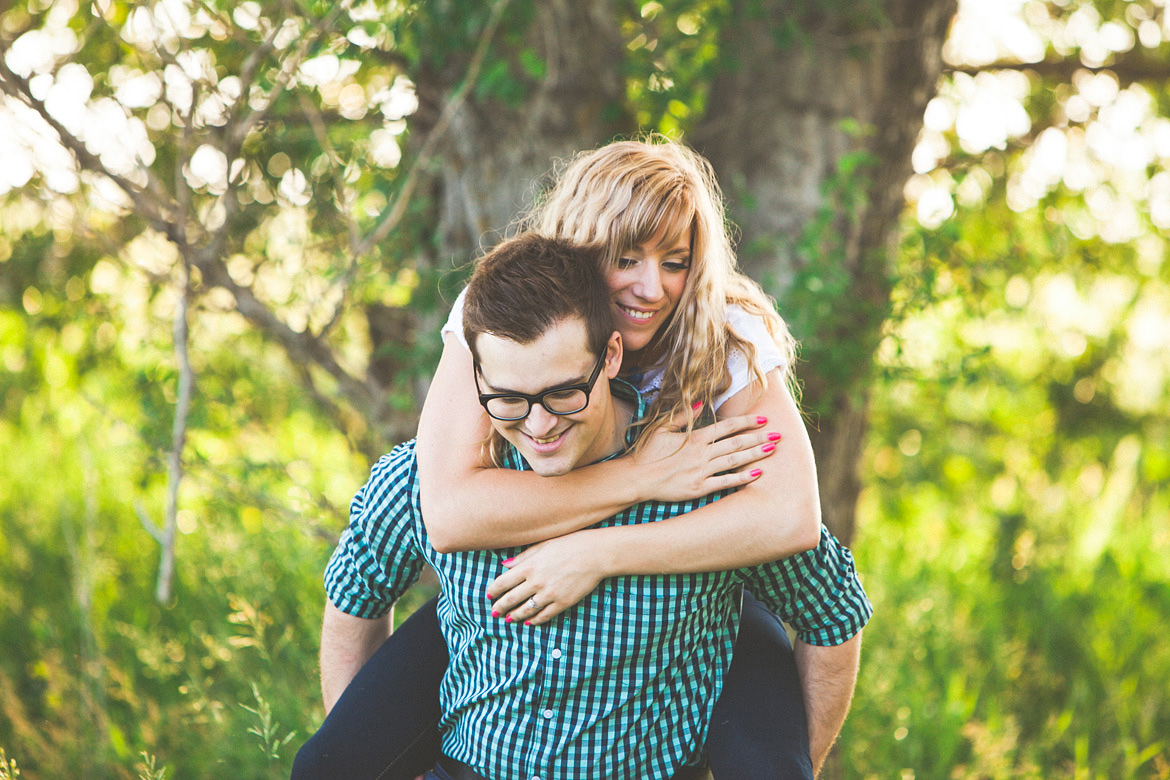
(345,206)
(172,214)
(151,201)
(1131,69)
(147,523)
(300,346)
(166,538)
(236,134)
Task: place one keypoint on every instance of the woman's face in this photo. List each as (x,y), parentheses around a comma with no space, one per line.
(646,285)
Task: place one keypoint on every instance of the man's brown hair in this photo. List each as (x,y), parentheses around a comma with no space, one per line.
(529,283)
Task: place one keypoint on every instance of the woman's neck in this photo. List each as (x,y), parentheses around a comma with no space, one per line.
(638,362)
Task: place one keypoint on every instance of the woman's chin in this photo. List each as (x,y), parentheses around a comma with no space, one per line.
(635,341)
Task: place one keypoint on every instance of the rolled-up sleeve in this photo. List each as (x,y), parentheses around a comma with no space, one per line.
(817,592)
(378,557)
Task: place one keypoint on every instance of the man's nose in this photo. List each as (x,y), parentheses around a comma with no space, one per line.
(540,421)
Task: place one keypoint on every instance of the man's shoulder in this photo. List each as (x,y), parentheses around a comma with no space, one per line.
(395,472)
(402,457)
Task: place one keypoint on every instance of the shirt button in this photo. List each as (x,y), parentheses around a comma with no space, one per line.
(536,777)
(548,713)
(555,654)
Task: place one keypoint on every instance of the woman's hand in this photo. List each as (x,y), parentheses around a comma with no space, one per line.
(554,575)
(676,466)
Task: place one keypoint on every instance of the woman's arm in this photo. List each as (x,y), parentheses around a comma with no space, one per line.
(469,505)
(774,517)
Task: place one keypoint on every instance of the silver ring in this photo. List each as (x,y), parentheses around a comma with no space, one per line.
(533,605)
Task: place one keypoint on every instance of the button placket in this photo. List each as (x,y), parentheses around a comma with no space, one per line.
(552,686)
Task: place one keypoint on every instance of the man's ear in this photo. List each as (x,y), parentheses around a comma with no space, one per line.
(613,355)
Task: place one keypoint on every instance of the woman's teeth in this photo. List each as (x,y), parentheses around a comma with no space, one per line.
(637,315)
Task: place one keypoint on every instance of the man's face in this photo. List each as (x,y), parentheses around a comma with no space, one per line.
(553,444)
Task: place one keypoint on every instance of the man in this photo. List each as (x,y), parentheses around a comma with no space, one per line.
(623,684)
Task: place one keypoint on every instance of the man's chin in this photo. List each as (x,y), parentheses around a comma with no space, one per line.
(548,467)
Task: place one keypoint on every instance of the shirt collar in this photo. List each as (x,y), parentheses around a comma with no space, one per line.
(622,389)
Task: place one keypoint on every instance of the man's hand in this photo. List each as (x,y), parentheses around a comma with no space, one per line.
(677,466)
(555,575)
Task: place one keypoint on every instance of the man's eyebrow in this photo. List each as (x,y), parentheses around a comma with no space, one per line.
(506,391)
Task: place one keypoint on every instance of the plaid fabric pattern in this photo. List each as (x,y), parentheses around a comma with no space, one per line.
(620,686)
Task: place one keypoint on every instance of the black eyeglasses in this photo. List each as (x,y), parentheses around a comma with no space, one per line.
(566,399)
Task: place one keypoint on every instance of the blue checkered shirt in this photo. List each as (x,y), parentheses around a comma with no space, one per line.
(622,685)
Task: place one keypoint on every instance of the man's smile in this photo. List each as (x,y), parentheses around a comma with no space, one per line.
(548,443)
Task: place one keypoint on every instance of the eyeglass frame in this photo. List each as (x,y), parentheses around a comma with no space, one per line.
(585,387)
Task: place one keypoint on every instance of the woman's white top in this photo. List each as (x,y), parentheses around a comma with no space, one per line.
(747,326)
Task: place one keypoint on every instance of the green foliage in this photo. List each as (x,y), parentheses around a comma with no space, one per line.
(99,672)
(148,770)
(8,768)
(674,50)
(1013,525)
(266,729)
(1013,528)
(1013,636)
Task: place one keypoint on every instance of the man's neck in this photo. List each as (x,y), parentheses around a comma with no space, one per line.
(623,414)
(611,439)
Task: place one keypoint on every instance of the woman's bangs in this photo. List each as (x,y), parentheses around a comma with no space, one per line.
(677,222)
(653,212)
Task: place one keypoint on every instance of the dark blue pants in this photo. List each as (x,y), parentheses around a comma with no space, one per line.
(385,725)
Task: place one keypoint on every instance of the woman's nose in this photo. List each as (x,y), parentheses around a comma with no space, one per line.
(649,285)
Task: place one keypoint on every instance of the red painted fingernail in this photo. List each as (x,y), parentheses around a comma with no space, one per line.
(768,447)
(508,619)
(773,437)
(527,622)
(696,406)
(761,420)
(489,597)
(756,472)
(495,613)
(509,562)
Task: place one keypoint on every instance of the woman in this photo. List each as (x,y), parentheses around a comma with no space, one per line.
(697,335)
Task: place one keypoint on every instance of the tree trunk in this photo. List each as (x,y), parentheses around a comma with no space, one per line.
(810,125)
(497,150)
(492,158)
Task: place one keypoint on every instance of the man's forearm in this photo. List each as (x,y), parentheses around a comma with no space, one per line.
(827,677)
(347,642)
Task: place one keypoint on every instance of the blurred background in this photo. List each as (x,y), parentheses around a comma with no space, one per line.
(229,233)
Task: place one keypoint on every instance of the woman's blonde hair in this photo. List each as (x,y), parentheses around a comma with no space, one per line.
(624,194)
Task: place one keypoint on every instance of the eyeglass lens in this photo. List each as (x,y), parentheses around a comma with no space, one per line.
(558,402)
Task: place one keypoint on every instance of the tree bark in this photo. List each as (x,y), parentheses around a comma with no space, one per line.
(810,125)
(496,150)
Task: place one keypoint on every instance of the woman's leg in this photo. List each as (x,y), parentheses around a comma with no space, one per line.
(759,730)
(385,725)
